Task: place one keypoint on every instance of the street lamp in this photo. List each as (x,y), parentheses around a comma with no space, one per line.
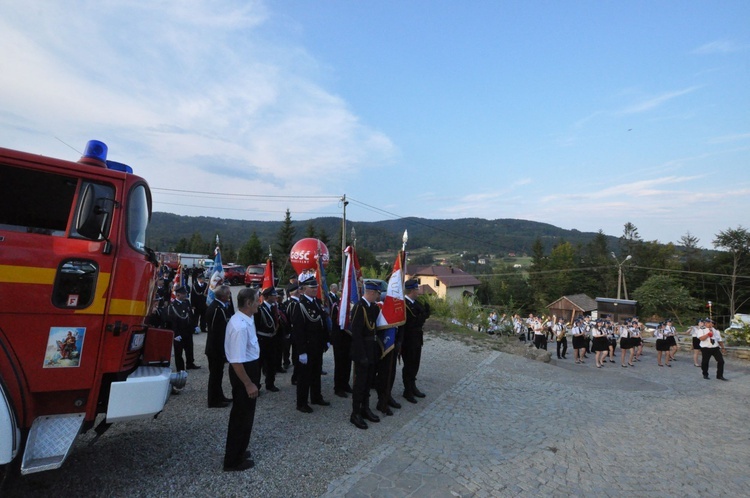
(620,276)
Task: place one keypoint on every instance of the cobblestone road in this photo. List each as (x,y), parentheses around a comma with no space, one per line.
(516,427)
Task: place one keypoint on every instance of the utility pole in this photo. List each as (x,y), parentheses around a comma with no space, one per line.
(621,276)
(344,202)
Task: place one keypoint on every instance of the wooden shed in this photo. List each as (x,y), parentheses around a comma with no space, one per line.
(569,307)
(616,310)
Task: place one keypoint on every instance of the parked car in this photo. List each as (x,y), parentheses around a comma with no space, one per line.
(234,274)
(254,275)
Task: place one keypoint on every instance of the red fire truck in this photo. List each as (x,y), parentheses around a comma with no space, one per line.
(76,281)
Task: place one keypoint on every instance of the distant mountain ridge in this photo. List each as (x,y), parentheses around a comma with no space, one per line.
(478,235)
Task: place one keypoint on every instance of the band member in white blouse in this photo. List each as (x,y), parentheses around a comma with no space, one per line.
(662,345)
(579,341)
(695,332)
(626,344)
(599,345)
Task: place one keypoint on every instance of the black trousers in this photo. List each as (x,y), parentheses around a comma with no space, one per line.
(707,354)
(562,345)
(184,344)
(411,356)
(540,341)
(242,416)
(269,358)
(342,363)
(385,375)
(215,377)
(308,379)
(364,375)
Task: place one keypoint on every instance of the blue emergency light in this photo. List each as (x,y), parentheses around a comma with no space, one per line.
(96,150)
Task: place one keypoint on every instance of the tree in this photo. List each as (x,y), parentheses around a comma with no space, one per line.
(251,253)
(197,245)
(660,295)
(629,239)
(182,246)
(310,230)
(284,243)
(737,243)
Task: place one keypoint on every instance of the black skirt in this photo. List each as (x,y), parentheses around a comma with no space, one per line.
(579,342)
(662,345)
(600,344)
(696,343)
(626,343)
(671,341)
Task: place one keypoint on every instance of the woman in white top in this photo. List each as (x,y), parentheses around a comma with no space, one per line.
(600,344)
(626,344)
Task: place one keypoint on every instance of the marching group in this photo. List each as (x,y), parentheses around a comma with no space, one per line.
(267,335)
(601,336)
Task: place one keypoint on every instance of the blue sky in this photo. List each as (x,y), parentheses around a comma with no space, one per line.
(584,115)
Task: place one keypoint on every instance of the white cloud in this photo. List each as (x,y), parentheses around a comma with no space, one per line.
(189,90)
(650,103)
(718,47)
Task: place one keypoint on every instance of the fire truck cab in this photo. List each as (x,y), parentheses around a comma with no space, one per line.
(76,281)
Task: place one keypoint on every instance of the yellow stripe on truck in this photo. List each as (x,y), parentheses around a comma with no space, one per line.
(11,274)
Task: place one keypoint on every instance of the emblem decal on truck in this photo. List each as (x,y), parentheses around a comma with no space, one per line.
(64,347)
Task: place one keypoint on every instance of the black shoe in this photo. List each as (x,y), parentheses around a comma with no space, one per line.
(193,366)
(721,378)
(321,402)
(249,456)
(294,381)
(383,408)
(368,415)
(559,357)
(220,404)
(227,400)
(348,389)
(281,370)
(323,372)
(244,465)
(305,409)
(358,421)
(410,397)
(393,403)
(563,357)
(287,365)
(273,389)
(341,394)
(417,392)
(706,377)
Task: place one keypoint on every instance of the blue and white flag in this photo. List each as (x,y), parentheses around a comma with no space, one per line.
(217,276)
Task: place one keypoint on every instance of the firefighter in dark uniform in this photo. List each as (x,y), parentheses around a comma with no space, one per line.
(179,318)
(342,345)
(267,327)
(309,339)
(217,316)
(365,353)
(161,295)
(412,340)
(198,300)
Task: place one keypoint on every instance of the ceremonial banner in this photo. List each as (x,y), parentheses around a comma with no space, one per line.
(393,311)
(269,279)
(177,281)
(349,289)
(217,275)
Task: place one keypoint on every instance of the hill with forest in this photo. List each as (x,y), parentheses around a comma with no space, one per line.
(475,235)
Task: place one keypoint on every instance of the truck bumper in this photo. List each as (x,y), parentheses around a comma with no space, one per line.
(142,394)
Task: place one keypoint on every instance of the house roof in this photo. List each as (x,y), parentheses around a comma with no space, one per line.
(580,301)
(449,276)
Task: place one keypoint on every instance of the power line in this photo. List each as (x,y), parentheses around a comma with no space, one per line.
(259,196)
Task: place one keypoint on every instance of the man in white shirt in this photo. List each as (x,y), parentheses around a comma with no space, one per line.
(243,353)
(710,344)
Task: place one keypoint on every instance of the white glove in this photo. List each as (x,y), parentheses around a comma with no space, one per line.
(303,358)
(178,338)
